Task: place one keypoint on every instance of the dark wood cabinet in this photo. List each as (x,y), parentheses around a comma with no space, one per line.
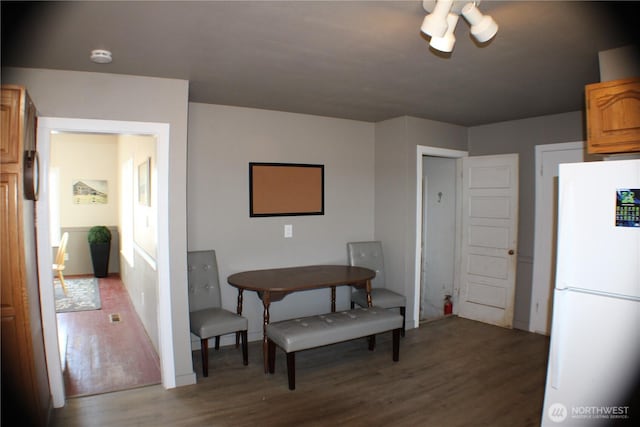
(613,116)
(26,396)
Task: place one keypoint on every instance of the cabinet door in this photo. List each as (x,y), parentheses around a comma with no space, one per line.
(613,116)
(25,389)
(11,125)
(17,360)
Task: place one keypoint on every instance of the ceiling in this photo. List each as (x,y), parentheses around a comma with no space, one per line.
(361,60)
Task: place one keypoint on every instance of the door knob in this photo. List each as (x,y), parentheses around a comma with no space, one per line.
(511,252)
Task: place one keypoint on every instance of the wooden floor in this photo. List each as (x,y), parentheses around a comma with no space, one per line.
(452,372)
(101,355)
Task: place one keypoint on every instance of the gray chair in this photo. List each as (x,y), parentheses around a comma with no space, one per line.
(369,255)
(207,318)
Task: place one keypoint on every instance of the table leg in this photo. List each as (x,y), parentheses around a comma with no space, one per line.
(239,311)
(266,302)
(372,338)
(333,299)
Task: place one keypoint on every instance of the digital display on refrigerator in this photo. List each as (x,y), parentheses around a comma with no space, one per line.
(628,207)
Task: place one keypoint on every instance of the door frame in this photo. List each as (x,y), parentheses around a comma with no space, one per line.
(423,150)
(47,125)
(542,205)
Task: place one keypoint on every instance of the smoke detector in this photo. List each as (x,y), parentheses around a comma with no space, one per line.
(101,56)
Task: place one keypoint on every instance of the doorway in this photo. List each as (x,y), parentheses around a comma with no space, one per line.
(432,284)
(438,235)
(548,157)
(485,261)
(93,182)
(159,266)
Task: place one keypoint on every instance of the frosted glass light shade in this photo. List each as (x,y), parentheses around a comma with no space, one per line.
(446,42)
(483,27)
(435,24)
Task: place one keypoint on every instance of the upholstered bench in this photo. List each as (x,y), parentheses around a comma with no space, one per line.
(316,331)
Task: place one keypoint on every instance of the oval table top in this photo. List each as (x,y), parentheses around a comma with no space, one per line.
(291,279)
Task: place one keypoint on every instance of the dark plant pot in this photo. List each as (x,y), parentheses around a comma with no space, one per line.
(100,258)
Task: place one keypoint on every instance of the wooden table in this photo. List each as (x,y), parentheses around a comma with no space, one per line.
(274,284)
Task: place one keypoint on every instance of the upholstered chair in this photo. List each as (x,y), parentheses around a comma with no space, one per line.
(207,318)
(369,255)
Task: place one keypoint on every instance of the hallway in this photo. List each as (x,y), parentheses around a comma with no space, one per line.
(106,350)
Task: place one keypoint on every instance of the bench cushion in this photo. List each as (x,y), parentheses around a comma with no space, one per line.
(315,331)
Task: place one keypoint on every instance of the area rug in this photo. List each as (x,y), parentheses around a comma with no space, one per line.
(83,294)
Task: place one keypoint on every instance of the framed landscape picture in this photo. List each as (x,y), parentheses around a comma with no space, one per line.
(90,191)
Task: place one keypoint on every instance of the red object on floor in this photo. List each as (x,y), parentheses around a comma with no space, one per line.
(448,305)
(102,355)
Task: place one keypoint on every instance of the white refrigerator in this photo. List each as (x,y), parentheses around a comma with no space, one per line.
(594,357)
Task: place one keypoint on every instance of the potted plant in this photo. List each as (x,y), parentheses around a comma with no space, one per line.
(100,244)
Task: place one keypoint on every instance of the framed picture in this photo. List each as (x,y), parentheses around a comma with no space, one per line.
(285,189)
(90,191)
(144,182)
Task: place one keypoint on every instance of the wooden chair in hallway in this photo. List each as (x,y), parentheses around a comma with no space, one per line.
(369,255)
(207,318)
(58,266)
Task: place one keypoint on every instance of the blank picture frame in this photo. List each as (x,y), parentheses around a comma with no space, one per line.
(144,182)
(285,189)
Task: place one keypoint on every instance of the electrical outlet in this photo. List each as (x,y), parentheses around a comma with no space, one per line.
(288,231)
(66,256)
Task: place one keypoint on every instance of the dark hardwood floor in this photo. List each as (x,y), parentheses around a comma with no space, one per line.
(102,355)
(452,372)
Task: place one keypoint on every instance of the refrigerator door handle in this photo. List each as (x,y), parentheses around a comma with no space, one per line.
(558,335)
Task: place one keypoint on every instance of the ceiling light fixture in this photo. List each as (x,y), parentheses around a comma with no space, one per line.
(101,56)
(443,17)
(435,24)
(446,42)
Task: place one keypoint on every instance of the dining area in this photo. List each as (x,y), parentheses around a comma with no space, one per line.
(366,266)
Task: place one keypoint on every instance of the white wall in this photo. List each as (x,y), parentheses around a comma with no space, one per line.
(222,142)
(86,156)
(143,99)
(143,148)
(138,223)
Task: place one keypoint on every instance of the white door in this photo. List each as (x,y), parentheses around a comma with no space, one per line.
(489,238)
(548,157)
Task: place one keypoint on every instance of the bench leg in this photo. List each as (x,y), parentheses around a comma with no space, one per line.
(204,349)
(372,342)
(402,311)
(245,350)
(218,342)
(291,369)
(396,344)
(271,356)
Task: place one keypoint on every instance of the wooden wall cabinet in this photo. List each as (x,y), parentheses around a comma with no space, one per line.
(613,116)
(26,396)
